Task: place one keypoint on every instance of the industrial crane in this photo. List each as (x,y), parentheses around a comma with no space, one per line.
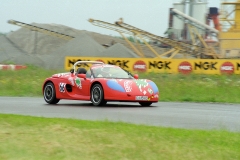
(177,46)
(42,30)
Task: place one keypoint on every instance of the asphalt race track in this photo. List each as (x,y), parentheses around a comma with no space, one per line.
(169,114)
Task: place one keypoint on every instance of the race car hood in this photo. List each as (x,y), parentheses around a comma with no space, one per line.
(133,86)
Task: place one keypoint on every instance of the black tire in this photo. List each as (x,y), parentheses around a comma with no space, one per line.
(97,95)
(49,93)
(145,103)
(103,103)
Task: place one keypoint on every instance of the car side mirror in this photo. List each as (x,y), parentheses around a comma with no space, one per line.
(135,76)
(82,76)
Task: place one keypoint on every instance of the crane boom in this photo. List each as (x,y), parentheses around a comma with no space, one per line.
(42,30)
(178,45)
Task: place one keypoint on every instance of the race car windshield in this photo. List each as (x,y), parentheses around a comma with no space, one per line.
(110,72)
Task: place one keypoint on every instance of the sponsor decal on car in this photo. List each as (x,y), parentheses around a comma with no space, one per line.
(144,92)
(185,67)
(142,98)
(70,79)
(141,83)
(128,86)
(62,87)
(153,86)
(227,68)
(113,84)
(78,83)
(140,66)
(150,91)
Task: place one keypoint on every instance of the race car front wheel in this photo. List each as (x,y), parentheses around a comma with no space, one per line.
(97,97)
(145,103)
(49,93)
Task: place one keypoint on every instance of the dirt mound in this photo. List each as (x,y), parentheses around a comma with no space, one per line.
(118,50)
(8,50)
(27,59)
(81,46)
(11,53)
(33,42)
(38,43)
(30,47)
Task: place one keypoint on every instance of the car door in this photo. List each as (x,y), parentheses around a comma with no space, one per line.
(83,84)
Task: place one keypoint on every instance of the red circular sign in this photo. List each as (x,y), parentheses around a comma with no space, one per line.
(227,68)
(140,66)
(185,67)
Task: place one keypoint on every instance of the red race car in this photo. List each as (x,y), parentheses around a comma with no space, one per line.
(99,84)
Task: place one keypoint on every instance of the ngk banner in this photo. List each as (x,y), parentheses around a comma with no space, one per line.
(159,65)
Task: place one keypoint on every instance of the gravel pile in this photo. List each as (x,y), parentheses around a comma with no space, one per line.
(39,43)
(29,47)
(118,50)
(81,46)
(8,49)
(11,53)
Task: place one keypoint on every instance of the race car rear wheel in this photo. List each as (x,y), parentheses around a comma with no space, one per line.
(49,93)
(97,95)
(145,103)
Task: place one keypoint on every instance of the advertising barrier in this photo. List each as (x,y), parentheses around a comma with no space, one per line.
(184,66)
(11,67)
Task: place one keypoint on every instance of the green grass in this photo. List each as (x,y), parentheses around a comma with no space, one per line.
(25,137)
(173,87)
(26,82)
(197,88)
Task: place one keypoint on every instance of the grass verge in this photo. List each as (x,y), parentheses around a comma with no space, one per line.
(172,87)
(25,137)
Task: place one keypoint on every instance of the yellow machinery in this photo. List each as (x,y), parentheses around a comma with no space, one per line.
(177,46)
(229,37)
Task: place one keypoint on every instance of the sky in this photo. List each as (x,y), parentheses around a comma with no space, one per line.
(149,15)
